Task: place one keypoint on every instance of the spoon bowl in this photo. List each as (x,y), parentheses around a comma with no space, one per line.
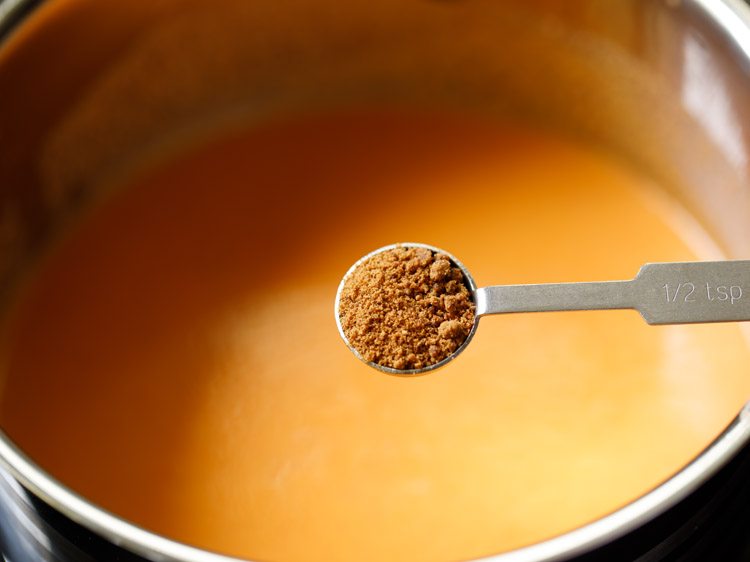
(468,282)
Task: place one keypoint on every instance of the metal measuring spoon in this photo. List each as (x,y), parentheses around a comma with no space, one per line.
(663,293)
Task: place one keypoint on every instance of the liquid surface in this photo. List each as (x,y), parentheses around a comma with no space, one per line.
(176,357)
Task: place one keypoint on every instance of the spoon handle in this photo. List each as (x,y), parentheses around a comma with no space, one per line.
(664,293)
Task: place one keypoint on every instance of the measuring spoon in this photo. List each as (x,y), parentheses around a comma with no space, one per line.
(663,293)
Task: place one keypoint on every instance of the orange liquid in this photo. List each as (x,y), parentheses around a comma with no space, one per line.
(175,358)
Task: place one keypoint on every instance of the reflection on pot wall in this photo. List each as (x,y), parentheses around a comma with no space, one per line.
(637,95)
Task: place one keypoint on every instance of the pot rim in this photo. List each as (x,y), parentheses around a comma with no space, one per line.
(733,18)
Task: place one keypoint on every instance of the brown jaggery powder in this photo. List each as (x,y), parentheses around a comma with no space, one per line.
(406,308)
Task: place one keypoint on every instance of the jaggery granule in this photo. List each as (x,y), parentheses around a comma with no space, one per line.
(406,308)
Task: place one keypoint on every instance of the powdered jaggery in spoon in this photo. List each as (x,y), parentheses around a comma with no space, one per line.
(405,308)
(408,308)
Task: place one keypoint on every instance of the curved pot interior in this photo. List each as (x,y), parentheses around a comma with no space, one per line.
(663,84)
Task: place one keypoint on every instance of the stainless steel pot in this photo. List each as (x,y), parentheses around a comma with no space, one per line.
(87,87)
